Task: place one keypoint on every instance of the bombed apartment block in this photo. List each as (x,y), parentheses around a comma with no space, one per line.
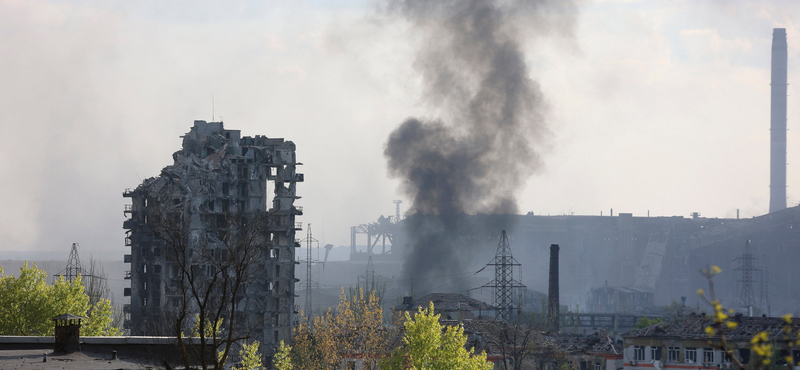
(223,213)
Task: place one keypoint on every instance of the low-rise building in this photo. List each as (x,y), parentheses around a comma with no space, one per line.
(683,343)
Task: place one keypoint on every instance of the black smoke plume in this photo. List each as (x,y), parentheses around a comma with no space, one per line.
(478,155)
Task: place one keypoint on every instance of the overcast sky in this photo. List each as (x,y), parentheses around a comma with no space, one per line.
(659,106)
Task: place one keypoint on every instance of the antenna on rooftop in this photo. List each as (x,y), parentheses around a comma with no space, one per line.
(212,107)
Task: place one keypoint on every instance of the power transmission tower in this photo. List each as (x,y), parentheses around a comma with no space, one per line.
(747,299)
(73,264)
(310,241)
(370,281)
(74,268)
(397,210)
(503,284)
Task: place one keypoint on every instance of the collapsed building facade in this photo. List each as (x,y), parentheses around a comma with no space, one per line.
(218,186)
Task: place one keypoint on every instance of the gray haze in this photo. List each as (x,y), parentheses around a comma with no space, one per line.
(479,155)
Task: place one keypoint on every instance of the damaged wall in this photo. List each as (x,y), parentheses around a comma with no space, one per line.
(217,173)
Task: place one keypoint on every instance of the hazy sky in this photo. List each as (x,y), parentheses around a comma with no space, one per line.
(655,105)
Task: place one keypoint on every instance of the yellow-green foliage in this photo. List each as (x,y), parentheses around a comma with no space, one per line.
(27,304)
(429,346)
(356,327)
(283,359)
(251,359)
(208,329)
(644,322)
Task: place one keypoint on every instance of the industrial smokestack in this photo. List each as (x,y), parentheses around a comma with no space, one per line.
(777,176)
(552,294)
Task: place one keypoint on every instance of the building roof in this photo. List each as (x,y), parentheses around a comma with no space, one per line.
(588,344)
(693,327)
(447,302)
(623,289)
(68,316)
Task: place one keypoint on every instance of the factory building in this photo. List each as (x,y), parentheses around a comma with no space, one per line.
(220,185)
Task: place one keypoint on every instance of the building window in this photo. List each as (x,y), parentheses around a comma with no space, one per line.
(276,337)
(638,353)
(598,366)
(655,353)
(691,355)
(708,355)
(744,355)
(673,354)
(351,365)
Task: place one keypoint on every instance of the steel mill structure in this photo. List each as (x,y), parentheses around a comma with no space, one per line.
(778,83)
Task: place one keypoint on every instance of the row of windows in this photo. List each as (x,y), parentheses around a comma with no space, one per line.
(673,354)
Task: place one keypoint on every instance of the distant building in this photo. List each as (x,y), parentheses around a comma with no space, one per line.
(611,299)
(451,306)
(217,173)
(683,343)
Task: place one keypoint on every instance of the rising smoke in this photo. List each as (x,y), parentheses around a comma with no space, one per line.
(479,154)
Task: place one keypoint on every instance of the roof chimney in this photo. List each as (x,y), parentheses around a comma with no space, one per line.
(552,294)
(777,168)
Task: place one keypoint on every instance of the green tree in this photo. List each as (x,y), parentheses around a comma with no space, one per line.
(283,359)
(27,304)
(644,322)
(429,346)
(355,327)
(251,359)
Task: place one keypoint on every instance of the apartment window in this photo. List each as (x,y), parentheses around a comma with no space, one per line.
(276,337)
(156,269)
(598,366)
(691,355)
(277,270)
(673,354)
(655,353)
(744,355)
(708,355)
(638,353)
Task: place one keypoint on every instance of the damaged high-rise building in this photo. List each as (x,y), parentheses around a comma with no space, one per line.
(209,210)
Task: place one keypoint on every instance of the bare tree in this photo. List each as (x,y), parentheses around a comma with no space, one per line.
(210,259)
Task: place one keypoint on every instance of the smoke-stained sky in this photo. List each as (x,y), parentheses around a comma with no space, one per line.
(659,106)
